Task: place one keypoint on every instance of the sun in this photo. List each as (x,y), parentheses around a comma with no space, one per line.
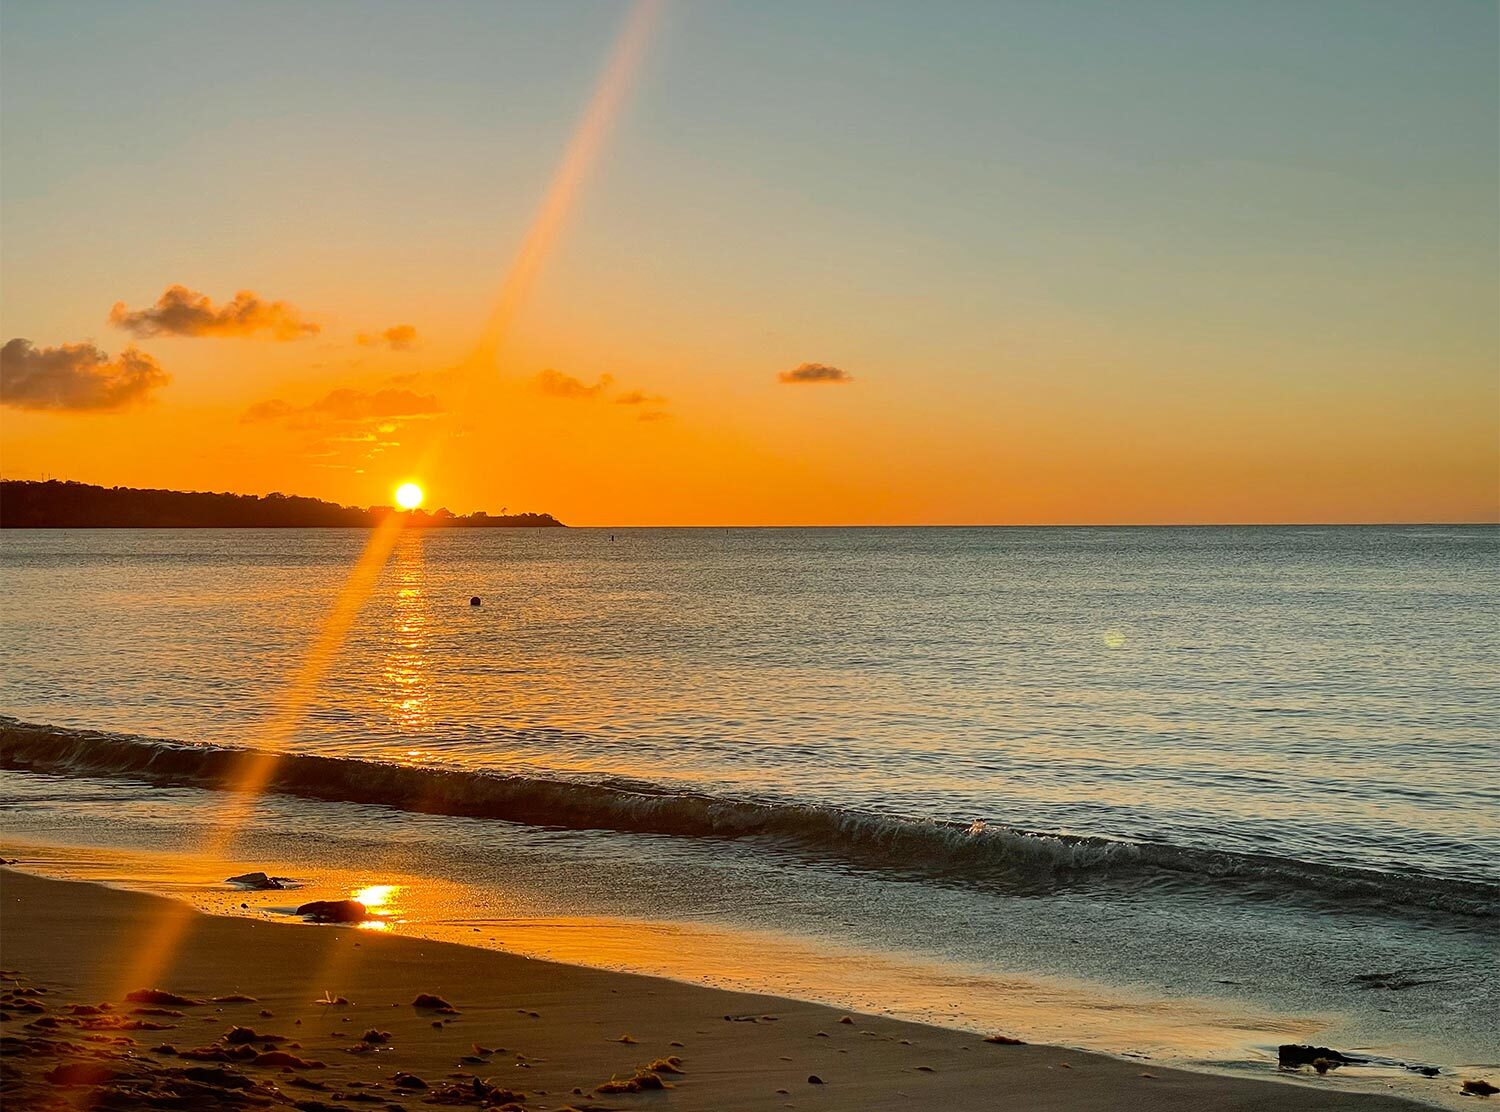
(408,496)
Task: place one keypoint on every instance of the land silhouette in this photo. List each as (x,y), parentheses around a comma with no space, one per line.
(69,505)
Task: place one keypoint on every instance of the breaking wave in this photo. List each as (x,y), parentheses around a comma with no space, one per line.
(990,855)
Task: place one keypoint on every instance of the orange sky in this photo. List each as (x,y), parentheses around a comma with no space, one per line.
(574,262)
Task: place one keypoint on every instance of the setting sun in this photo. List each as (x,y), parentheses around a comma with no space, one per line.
(408,496)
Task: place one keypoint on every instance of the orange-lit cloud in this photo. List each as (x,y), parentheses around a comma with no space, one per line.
(555,384)
(180,311)
(398,337)
(348,404)
(75,378)
(814,373)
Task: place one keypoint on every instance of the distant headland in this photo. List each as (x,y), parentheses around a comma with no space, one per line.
(67,505)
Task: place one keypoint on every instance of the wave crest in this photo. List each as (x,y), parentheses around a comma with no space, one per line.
(989,855)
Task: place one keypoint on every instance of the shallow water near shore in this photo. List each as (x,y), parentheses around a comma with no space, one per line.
(1237,784)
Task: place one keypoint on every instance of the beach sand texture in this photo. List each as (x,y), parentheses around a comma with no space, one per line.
(537,1035)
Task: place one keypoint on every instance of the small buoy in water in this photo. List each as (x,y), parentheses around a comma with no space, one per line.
(474,601)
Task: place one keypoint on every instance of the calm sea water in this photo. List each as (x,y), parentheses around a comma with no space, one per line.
(1179,742)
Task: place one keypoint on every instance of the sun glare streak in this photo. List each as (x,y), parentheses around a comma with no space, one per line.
(578,158)
(255,769)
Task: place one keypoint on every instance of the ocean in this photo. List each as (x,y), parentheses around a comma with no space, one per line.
(1174,792)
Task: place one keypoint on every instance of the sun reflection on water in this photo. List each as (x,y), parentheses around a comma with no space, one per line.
(407,694)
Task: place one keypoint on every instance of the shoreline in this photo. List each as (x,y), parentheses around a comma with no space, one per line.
(564,1026)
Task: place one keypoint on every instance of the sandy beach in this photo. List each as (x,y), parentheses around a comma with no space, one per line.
(523,1033)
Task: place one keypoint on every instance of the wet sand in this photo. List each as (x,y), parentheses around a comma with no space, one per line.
(549,1036)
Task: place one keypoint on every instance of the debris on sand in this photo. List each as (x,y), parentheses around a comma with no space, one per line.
(670,1064)
(640,1083)
(625,1039)
(408,1081)
(475,1091)
(237,1035)
(233,998)
(334,911)
(429,1001)
(331,1001)
(375,1037)
(1004,1040)
(160,996)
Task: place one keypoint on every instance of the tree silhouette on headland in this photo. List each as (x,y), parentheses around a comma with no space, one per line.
(68,505)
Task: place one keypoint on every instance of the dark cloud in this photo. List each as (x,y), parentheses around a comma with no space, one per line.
(635,397)
(814,373)
(75,378)
(349,406)
(180,311)
(558,385)
(398,337)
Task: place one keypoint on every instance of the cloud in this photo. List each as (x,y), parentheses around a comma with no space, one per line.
(75,378)
(180,311)
(558,385)
(398,337)
(635,397)
(814,373)
(348,406)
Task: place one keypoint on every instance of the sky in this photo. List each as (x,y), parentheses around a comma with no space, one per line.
(722,263)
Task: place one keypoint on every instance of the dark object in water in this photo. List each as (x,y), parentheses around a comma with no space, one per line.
(474,600)
(433,1002)
(335,911)
(1478,1088)
(1292,1055)
(261,881)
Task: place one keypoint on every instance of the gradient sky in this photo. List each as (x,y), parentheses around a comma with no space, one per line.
(1080,262)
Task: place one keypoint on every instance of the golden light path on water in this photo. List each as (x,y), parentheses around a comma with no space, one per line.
(256,768)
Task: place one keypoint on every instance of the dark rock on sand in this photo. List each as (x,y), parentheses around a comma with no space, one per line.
(220,1076)
(431,1002)
(1478,1087)
(1004,1040)
(160,996)
(814,1079)
(285,1060)
(262,882)
(82,1073)
(236,1035)
(335,911)
(408,1081)
(1292,1055)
